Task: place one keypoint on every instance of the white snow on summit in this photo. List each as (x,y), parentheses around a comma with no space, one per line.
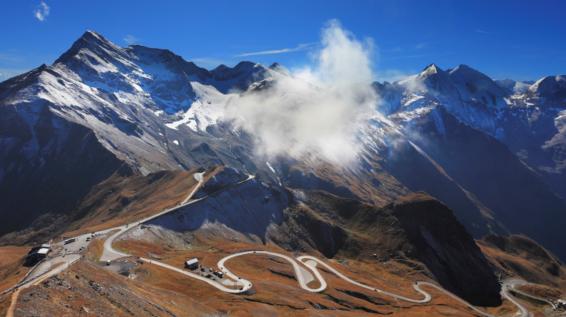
(206,111)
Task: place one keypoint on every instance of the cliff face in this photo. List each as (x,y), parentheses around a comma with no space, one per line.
(447,249)
(416,227)
(488,187)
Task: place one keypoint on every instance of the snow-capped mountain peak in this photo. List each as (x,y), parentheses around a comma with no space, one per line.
(430,69)
(551,88)
(436,80)
(477,87)
(128,96)
(149,109)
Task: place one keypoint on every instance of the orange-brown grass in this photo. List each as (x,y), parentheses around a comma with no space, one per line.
(529,269)
(542,291)
(277,291)
(524,267)
(5,302)
(95,248)
(506,309)
(121,200)
(389,189)
(11,272)
(11,269)
(86,289)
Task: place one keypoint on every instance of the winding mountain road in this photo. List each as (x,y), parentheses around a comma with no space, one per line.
(71,252)
(296,267)
(110,254)
(305,267)
(306,258)
(517,282)
(311,263)
(56,269)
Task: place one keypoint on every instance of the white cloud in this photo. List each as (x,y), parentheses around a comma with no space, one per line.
(300,47)
(130,39)
(316,112)
(42,11)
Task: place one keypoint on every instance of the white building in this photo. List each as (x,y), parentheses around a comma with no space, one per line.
(43,251)
(192,264)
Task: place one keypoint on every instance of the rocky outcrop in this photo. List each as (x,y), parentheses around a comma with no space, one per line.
(510,195)
(439,241)
(416,227)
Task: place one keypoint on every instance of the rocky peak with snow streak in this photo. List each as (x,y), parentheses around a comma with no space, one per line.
(128,96)
(152,110)
(551,89)
(477,87)
(527,117)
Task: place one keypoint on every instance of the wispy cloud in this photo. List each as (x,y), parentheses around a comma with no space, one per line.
(41,12)
(406,48)
(300,47)
(482,31)
(420,46)
(131,39)
(314,114)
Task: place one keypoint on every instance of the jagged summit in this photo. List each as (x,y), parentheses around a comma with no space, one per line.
(475,86)
(430,69)
(464,70)
(92,41)
(275,65)
(93,35)
(466,73)
(93,54)
(551,87)
(436,80)
(514,86)
(223,72)
(433,73)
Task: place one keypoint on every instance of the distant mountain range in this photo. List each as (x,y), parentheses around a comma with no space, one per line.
(492,151)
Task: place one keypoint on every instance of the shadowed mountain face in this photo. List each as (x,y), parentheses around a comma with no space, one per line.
(528,118)
(493,152)
(66,127)
(46,166)
(444,246)
(248,208)
(502,189)
(415,227)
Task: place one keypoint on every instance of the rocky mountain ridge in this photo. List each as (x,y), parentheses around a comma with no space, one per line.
(146,110)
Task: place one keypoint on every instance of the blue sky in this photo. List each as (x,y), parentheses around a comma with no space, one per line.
(518,39)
